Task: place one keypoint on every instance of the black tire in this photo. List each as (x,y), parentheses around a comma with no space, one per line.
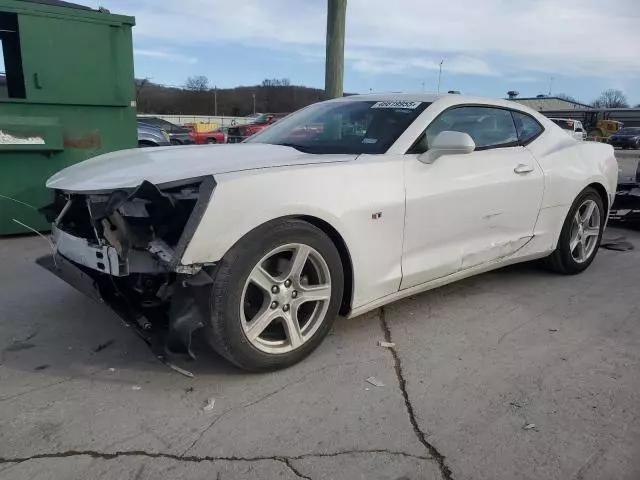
(224,331)
(561,260)
(210,140)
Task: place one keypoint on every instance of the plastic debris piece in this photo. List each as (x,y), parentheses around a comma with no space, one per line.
(530,426)
(112,369)
(210,404)
(386,344)
(375,382)
(552,330)
(184,372)
(136,387)
(619,244)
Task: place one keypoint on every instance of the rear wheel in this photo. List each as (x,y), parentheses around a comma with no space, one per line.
(210,140)
(580,236)
(275,296)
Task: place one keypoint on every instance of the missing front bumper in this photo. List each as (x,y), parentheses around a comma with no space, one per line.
(166,328)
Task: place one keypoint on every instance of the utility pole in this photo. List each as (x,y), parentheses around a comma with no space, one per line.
(254,102)
(440,75)
(550,85)
(215,101)
(334,67)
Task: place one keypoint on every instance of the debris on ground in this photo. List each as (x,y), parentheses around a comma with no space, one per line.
(375,382)
(42,367)
(210,404)
(618,244)
(386,344)
(553,330)
(104,345)
(184,372)
(136,387)
(112,369)
(515,404)
(188,390)
(530,426)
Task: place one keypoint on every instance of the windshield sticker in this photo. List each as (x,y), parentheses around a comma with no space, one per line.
(396,104)
(369,140)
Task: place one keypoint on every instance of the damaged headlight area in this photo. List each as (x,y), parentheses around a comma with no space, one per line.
(125,248)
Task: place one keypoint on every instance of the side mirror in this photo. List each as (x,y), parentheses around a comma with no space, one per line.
(448,143)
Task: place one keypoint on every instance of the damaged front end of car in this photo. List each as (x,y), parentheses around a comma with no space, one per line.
(124,248)
(626,206)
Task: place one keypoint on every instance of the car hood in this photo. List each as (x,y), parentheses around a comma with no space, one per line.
(161,165)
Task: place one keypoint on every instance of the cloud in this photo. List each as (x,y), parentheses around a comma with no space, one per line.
(401,64)
(171,57)
(522,37)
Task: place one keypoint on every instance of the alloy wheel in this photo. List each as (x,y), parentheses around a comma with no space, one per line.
(285,298)
(585,229)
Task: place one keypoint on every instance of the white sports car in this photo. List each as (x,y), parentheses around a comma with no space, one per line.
(341,207)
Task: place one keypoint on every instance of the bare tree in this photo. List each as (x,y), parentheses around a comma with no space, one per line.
(199,83)
(567,97)
(512,94)
(612,98)
(140,84)
(276,82)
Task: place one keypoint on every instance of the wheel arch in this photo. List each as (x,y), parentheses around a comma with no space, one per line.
(602,191)
(345,257)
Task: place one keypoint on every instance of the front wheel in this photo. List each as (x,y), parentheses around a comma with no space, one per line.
(275,296)
(580,236)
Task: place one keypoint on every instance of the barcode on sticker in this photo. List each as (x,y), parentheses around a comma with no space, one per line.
(396,104)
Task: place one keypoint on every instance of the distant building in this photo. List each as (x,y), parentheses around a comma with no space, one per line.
(551,103)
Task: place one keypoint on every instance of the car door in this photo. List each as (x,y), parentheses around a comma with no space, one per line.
(464,210)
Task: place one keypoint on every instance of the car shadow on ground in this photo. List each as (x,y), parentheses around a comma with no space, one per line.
(60,332)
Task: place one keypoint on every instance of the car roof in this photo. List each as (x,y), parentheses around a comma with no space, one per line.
(445,98)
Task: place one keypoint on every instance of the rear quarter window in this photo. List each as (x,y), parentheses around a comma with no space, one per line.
(527,127)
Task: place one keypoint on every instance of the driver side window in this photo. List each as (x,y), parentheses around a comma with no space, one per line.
(488,127)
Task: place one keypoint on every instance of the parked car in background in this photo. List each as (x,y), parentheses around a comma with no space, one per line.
(572,127)
(626,206)
(260,245)
(178,135)
(151,136)
(240,133)
(627,137)
(219,135)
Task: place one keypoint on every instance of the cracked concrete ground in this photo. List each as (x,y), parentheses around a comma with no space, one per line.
(473,363)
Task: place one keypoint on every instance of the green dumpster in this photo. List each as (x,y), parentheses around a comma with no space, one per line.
(66,94)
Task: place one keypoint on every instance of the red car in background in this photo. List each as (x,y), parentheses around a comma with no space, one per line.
(241,132)
(219,135)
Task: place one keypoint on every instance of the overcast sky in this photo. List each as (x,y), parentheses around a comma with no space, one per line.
(488,46)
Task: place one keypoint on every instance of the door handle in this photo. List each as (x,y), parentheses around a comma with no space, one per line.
(523,168)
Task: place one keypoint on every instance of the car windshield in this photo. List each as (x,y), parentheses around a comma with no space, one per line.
(629,131)
(566,124)
(351,127)
(262,119)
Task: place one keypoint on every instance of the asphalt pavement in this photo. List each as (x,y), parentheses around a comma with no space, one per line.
(514,374)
